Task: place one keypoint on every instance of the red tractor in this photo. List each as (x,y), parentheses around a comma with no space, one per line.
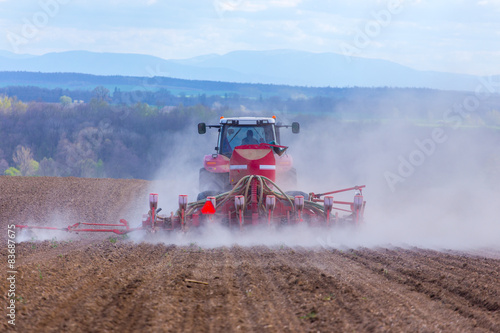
(221,170)
(240,186)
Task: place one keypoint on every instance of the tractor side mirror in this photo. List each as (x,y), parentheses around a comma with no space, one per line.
(202,128)
(295,127)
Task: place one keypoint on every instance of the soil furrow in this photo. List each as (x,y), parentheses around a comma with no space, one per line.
(103,283)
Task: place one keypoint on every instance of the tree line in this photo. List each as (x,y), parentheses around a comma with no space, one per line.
(92,139)
(102,137)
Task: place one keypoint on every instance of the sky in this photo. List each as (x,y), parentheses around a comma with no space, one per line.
(461,36)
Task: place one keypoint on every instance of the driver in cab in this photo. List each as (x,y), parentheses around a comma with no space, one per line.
(249,140)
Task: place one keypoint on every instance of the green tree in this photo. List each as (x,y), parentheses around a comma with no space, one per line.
(12,172)
(65,100)
(34,166)
(9,105)
(5,102)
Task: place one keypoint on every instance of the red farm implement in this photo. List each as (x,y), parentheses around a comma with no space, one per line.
(240,187)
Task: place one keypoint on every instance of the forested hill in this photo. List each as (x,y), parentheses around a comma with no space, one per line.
(94,131)
(90,139)
(83,84)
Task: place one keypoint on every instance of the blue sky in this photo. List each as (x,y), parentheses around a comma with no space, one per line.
(450,36)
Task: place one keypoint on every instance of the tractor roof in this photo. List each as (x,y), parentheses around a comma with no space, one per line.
(247,120)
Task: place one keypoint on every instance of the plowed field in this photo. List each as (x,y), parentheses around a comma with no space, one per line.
(103,283)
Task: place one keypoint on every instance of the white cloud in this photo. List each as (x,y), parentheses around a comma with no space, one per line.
(489,2)
(493,4)
(254,6)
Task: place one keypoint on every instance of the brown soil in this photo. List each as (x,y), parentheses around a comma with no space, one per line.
(113,284)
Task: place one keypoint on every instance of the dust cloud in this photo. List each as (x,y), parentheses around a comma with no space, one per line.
(427,186)
(434,186)
(55,220)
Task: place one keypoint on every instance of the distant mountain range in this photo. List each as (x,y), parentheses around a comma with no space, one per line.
(284,67)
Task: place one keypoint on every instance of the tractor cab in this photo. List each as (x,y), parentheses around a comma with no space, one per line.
(236,153)
(237,132)
(240,131)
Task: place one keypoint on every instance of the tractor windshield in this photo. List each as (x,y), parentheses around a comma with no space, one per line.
(237,135)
